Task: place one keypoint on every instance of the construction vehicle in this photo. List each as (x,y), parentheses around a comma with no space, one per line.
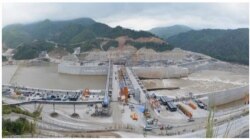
(74,97)
(152,121)
(106,101)
(148,128)
(169,127)
(200,104)
(134,116)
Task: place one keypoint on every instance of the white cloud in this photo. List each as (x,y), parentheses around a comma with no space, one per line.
(139,16)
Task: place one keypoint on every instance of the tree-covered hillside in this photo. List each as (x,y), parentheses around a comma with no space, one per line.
(227,45)
(158,47)
(30,39)
(65,32)
(32,50)
(165,32)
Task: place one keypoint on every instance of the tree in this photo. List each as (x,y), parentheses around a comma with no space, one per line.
(36,115)
(210,124)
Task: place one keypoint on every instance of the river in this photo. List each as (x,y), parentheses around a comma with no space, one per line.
(46,76)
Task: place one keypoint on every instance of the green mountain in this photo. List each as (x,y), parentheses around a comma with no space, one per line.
(227,45)
(83,32)
(165,32)
(72,31)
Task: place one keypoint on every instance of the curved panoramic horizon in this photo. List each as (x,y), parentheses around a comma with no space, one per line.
(125,70)
(150,15)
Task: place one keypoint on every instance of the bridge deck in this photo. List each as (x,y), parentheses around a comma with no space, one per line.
(54,102)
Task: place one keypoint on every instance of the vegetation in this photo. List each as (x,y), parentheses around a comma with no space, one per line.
(109,44)
(21,125)
(64,32)
(210,124)
(84,35)
(17,127)
(165,32)
(15,35)
(83,32)
(75,115)
(119,31)
(159,47)
(36,115)
(4,58)
(32,50)
(89,45)
(7,109)
(210,131)
(54,114)
(227,45)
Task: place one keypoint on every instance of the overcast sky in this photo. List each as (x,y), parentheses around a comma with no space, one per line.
(138,16)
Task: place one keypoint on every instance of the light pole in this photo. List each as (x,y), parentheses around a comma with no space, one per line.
(54,107)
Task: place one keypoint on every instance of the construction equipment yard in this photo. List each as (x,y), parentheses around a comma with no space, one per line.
(172,97)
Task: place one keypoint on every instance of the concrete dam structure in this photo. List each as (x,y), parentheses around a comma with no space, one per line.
(82,70)
(227,96)
(161,72)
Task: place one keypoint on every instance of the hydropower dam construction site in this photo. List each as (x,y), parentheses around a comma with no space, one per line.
(129,93)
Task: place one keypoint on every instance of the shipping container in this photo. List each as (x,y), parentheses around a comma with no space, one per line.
(169,102)
(171,106)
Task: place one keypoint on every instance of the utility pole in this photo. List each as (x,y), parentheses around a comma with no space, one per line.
(74,108)
(139,92)
(54,107)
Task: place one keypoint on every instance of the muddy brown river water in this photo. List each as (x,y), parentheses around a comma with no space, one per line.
(46,76)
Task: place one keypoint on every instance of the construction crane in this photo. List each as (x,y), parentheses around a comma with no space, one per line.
(135,58)
(106,100)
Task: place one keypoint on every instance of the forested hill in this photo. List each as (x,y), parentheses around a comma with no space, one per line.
(30,39)
(165,32)
(227,45)
(70,31)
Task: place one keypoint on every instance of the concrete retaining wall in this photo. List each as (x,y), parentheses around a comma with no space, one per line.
(226,96)
(161,72)
(82,70)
